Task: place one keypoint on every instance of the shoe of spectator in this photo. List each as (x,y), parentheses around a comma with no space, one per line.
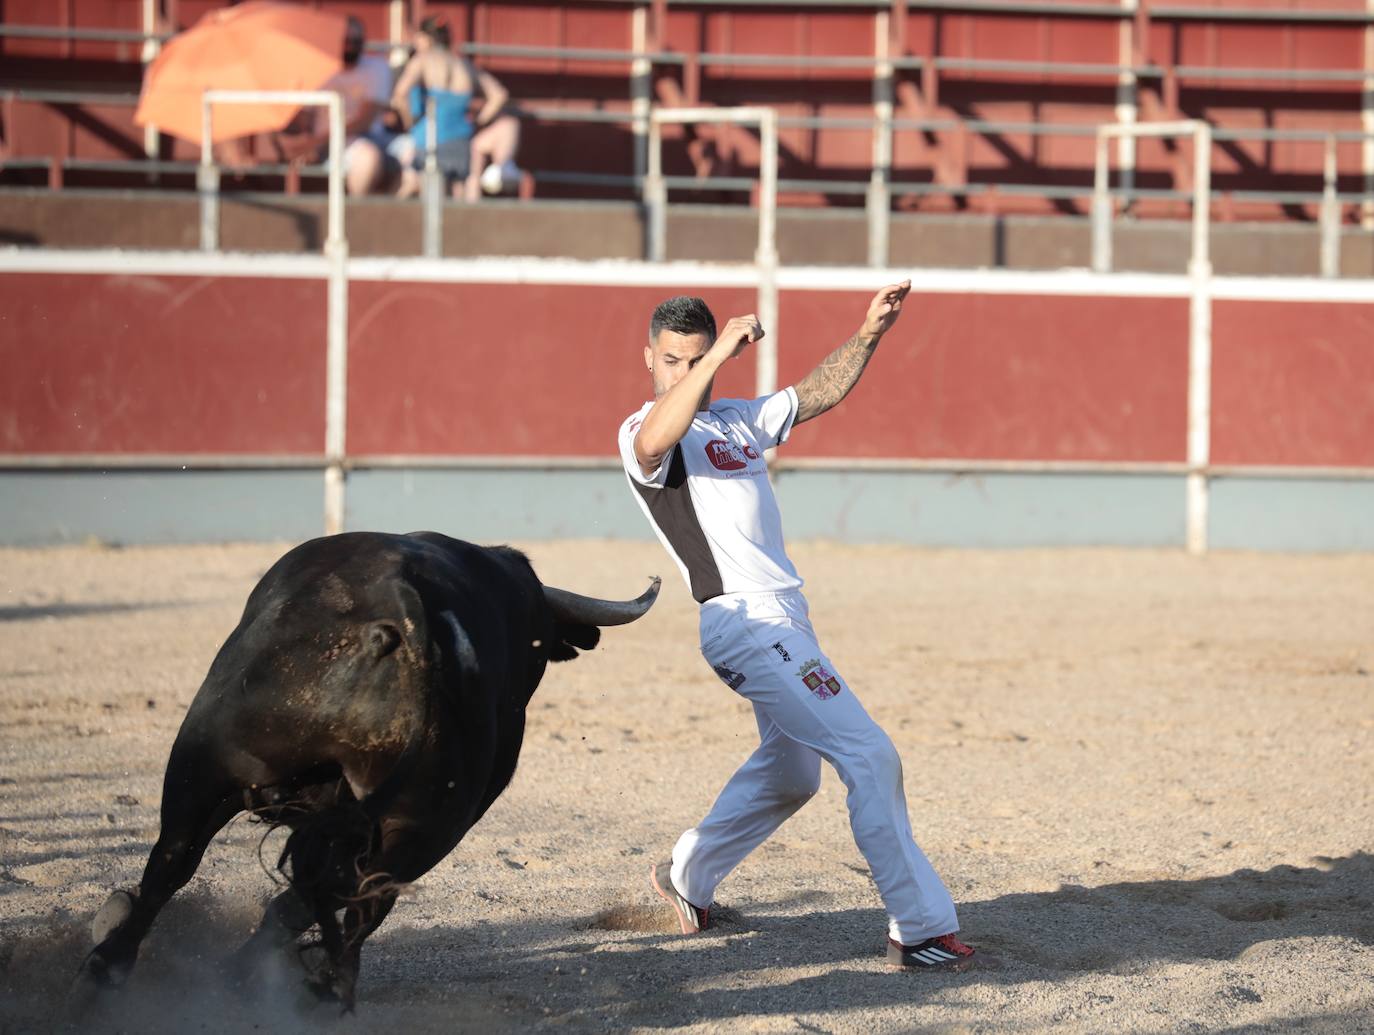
(496,179)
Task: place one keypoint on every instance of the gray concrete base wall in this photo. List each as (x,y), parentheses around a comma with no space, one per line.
(500,505)
(615,230)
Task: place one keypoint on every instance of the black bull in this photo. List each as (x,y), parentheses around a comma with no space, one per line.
(372,699)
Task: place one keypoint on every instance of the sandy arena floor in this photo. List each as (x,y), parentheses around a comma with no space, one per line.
(1148,780)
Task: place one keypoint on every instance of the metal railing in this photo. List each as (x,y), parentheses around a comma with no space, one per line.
(881,184)
(972,127)
(336,254)
(1199,299)
(655,193)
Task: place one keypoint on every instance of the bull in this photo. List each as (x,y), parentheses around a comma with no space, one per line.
(372,700)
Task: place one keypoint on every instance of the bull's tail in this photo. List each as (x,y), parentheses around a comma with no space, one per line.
(326,857)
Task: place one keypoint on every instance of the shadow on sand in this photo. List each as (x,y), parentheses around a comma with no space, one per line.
(556,970)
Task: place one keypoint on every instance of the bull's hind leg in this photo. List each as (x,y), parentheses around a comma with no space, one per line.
(198,798)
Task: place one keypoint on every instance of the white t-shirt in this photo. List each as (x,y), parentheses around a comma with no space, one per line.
(710,502)
(368,80)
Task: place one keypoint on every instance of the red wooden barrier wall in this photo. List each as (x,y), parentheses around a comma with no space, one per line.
(1013,377)
(504,369)
(1293,384)
(138,364)
(167,364)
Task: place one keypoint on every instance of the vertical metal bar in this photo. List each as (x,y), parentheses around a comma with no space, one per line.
(656,195)
(641,92)
(1127,109)
(1202,193)
(1200,344)
(1367,124)
(432,214)
(766,371)
(879,199)
(207,181)
(1330,213)
(396,33)
(1101,207)
(336,348)
(336,171)
(147,55)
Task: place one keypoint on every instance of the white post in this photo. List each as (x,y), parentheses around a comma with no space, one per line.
(1330,213)
(207,180)
(655,196)
(879,199)
(336,252)
(1367,124)
(641,88)
(1126,98)
(766,361)
(1200,343)
(432,189)
(1101,208)
(1199,299)
(336,348)
(149,53)
(396,33)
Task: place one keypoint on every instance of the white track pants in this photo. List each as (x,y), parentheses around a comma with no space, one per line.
(763,646)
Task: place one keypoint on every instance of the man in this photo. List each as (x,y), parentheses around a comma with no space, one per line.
(364,83)
(699,475)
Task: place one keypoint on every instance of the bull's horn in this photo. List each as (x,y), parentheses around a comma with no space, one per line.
(573,607)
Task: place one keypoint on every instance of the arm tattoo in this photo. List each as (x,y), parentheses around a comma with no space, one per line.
(832,379)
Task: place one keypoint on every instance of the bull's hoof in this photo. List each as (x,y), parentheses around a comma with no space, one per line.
(111,916)
(332,987)
(345,991)
(94,982)
(98,972)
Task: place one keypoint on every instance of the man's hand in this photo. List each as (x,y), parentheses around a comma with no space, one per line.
(830,382)
(884,309)
(738,333)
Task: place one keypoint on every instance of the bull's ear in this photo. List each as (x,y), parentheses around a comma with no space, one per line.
(569,637)
(381,638)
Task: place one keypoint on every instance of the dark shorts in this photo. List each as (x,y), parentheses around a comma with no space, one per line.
(454,158)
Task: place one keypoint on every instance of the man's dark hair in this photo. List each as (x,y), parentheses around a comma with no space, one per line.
(683,315)
(355,37)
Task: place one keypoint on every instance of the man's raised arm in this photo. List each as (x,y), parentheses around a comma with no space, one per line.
(671,415)
(835,375)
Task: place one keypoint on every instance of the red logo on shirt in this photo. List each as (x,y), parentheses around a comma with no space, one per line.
(726,456)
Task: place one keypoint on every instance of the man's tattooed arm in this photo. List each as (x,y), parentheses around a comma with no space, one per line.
(831,381)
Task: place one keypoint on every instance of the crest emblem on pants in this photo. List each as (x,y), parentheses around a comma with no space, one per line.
(818,680)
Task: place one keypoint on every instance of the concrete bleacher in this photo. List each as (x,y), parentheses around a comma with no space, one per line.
(975,107)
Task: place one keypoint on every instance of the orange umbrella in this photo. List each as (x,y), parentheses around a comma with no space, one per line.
(260,45)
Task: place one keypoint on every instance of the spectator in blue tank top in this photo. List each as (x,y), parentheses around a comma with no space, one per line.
(451,81)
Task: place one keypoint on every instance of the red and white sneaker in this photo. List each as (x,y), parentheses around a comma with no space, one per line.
(943,953)
(691,918)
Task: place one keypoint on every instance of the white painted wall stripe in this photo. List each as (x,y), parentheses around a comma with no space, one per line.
(624,273)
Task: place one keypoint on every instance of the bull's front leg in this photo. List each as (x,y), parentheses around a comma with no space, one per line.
(198,799)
